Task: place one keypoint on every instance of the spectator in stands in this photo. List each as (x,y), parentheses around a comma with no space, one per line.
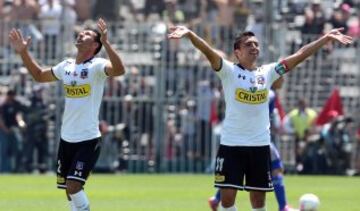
(12,112)
(354,26)
(112,111)
(314,19)
(22,14)
(225,21)
(131,119)
(337,139)
(203,115)
(68,19)
(211,11)
(50,19)
(36,141)
(340,17)
(188,128)
(356,153)
(109,10)
(83,9)
(191,9)
(25,10)
(241,14)
(4,160)
(300,122)
(155,7)
(5,10)
(173,14)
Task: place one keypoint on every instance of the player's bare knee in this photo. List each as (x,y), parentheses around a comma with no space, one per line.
(257,199)
(73,187)
(228,197)
(227,203)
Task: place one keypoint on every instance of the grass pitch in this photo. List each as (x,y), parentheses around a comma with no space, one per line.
(182,192)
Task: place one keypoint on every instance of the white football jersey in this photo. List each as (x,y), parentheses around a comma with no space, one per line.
(246,96)
(83,89)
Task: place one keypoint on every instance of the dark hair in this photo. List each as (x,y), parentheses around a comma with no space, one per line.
(96,39)
(11,92)
(239,38)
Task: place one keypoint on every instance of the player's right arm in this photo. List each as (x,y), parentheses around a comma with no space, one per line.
(178,32)
(21,47)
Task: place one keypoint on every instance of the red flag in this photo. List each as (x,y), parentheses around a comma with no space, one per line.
(213,113)
(332,108)
(280,109)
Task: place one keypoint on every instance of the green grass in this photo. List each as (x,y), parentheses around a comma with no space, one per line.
(165,192)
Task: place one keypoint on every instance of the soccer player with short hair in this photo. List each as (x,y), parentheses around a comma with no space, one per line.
(243,159)
(83,80)
(277,167)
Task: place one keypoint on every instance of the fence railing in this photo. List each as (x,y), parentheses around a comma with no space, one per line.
(164,114)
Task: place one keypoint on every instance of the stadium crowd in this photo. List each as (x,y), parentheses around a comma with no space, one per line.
(192,108)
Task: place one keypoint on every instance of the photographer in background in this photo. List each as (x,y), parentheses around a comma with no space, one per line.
(336,138)
(11,112)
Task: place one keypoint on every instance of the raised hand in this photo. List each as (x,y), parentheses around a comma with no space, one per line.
(102,29)
(177,32)
(17,41)
(335,34)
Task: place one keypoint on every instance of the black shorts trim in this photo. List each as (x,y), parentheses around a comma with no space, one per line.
(248,188)
(61,186)
(229,186)
(75,178)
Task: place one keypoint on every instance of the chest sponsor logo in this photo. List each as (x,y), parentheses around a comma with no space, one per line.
(77,91)
(247,97)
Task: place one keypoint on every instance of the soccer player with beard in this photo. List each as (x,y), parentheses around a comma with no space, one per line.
(83,80)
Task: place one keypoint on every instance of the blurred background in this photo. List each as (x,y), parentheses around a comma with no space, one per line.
(165,113)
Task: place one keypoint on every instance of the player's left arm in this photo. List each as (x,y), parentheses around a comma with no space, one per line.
(306,51)
(115,67)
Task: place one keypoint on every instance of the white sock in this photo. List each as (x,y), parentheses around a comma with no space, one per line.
(80,201)
(233,208)
(259,209)
(72,206)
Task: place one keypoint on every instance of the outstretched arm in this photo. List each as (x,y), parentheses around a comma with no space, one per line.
(115,67)
(311,48)
(21,47)
(178,32)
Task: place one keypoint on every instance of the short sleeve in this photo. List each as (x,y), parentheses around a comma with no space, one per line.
(99,67)
(225,69)
(58,69)
(275,70)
